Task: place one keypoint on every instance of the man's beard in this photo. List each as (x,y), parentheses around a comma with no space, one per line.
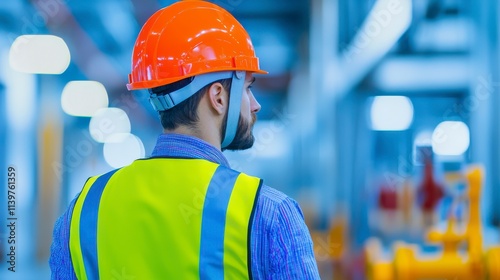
(243,139)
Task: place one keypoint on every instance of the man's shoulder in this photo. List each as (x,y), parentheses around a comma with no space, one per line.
(273,196)
(273,204)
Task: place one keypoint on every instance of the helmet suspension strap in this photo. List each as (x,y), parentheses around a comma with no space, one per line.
(233,113)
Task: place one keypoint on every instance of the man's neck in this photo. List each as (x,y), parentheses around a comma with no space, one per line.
(203,134)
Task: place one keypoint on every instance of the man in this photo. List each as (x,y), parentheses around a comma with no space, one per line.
(184,213)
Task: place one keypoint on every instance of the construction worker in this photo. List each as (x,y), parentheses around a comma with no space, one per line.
(183,213)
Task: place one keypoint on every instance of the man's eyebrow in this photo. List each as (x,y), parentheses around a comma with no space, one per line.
(253,80)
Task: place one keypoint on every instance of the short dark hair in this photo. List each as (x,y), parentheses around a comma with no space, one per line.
(184,113)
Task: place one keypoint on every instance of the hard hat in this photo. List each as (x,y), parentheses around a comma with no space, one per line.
(186,39)
(198,39)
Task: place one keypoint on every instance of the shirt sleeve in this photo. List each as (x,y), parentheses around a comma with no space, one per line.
(285,248)
(60,259)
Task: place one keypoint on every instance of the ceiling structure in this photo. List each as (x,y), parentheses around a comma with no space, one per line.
(101,34)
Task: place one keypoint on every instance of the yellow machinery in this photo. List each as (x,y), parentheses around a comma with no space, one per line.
(453,263)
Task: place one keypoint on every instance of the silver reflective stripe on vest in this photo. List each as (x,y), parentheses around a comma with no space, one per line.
(88,225)
(214,222)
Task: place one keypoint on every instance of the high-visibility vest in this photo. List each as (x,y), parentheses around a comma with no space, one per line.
(164,218)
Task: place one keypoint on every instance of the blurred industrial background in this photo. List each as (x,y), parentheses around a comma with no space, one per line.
(380,117)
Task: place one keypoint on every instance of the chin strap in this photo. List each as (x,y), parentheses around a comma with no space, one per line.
(233,113)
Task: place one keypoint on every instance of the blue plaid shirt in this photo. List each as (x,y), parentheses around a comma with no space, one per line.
(281,246)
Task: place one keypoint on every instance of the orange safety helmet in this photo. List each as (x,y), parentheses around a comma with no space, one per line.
(186,39)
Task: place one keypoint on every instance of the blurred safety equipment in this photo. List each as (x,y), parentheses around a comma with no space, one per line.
(475,262)
(193,39)
(153,236)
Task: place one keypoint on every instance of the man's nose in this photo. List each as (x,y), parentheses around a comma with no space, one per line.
(254,105)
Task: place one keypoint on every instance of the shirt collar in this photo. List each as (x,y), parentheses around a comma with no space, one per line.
(185,146)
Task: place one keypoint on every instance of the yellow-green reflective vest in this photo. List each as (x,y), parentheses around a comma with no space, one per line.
(164,218)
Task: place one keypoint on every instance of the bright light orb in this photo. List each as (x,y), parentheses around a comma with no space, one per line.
(83,98)
(450,138)
(108,121)
(391,113)
(124,150)
(39,54)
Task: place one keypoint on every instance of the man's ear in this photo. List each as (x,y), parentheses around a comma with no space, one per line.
(218,98)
